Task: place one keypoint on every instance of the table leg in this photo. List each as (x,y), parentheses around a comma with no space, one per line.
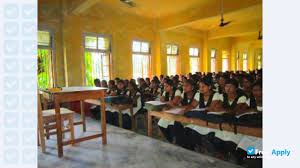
(120,119)
(103,121)
(58,129)
(41,133)
(149,124)
(82,115)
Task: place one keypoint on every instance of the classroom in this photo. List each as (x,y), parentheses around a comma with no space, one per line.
(150,83)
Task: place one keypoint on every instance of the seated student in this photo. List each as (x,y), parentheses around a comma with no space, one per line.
(193,134)
(188,102)
(148,82)
(97,82)
(154,92)
(112,88)
(247,82)
(104,83)
(171,95)
(135,96)
(233,103)
(255,101)
(111,113)
(220,85)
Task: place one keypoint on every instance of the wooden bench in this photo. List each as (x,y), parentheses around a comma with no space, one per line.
(251,131)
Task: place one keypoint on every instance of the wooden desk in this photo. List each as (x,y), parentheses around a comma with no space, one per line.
(119,110)
(251,131)
(69,94)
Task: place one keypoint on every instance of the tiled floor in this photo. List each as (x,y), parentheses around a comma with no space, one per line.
(125,149)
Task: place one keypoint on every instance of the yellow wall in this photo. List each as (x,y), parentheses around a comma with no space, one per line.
(123,29)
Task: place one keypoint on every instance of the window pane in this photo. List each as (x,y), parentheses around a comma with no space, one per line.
(224,64)
(196,52)
(191,51)
(44,68)
(245,56)
(103,43)
(174,50)
(169,49)
(194,64)
(44,38)
(91,42)
(213,65)
(212,53)
(141,66)
(145,47)
(136,46)
(172,65)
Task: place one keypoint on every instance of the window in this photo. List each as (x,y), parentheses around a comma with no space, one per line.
(45,53)
(213,54)
(194,60)
(172,54)
(140,59)
(97,58)
(259,62)
(245,61)
(224,61)
(237,63)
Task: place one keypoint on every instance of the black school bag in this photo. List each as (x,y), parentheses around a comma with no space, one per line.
(250,120)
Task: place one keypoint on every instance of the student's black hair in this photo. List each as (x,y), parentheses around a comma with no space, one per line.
(169,82)
(112,82)
(248,77)
(233,82)
(133,84)
(97,82)
(207,81)
(121,81)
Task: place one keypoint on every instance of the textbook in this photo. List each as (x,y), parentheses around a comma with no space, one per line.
(175,111)
(154,105)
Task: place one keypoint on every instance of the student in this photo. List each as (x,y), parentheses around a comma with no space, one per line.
(97,82)
(104,83)
(233,103)
(135,97)
(112,88)
(188,102)
(154,92)
(255,102)
(247,82)
(172,96)
(194,135)
(111,113)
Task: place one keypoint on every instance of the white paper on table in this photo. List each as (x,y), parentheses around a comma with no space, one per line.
(216,113)
(198,109)
(175,111)
(238,116)
(155,103)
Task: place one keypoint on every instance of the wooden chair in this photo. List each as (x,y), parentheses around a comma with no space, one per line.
(47,122)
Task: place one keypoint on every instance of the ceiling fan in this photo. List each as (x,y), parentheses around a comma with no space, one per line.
(130,3)
(222,24)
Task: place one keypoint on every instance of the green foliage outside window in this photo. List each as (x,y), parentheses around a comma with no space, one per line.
(43,68)
(89,69)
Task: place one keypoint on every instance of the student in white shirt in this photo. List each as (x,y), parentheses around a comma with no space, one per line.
(171,95)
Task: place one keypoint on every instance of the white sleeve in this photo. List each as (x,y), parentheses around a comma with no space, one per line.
(177,93)
(164,94)
(217,97)
(128,93)
(242,99)
(197,97)
(138,93)
(248,102)
(221,97)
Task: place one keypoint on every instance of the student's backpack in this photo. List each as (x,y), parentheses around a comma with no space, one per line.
(251,119)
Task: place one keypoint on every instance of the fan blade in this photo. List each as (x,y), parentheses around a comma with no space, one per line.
(222,24)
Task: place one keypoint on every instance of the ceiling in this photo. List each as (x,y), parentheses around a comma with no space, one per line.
(153,8)
(252,14)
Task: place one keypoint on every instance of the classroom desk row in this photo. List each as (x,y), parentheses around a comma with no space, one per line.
(251,131)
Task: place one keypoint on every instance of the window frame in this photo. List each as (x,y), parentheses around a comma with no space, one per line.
(172,55)
(108,51)
(52,48)
(245,59)
(142,53)
(215,58)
